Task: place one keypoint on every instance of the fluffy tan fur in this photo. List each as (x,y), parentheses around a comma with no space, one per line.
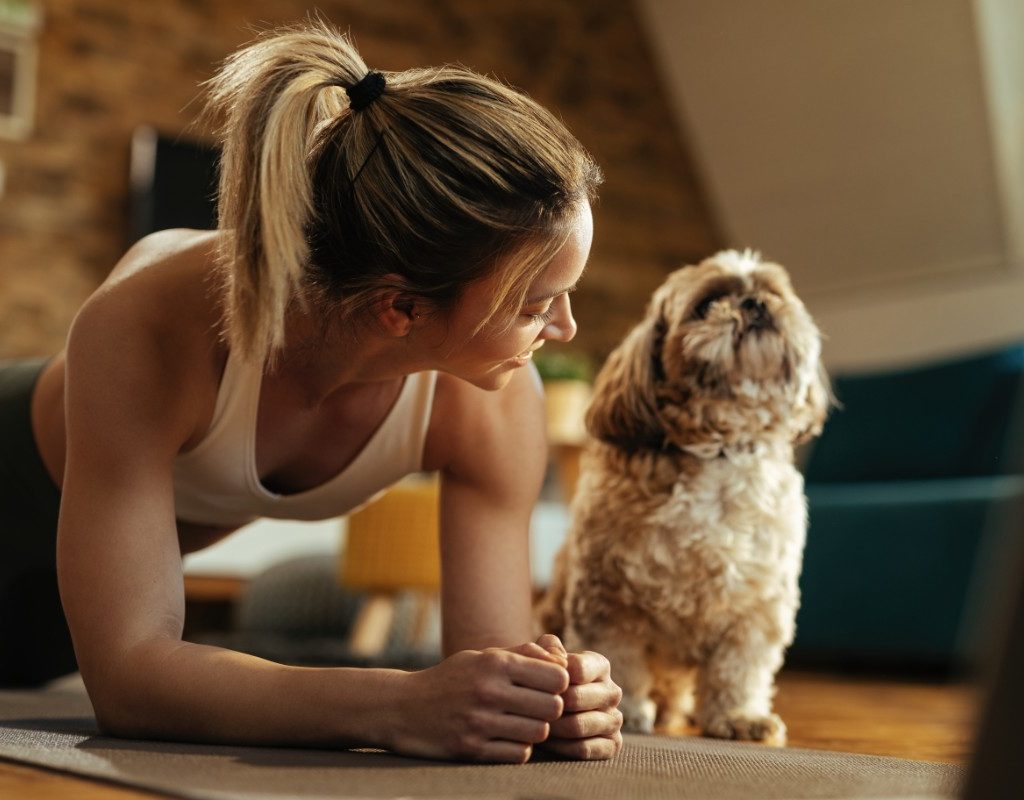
(689,520)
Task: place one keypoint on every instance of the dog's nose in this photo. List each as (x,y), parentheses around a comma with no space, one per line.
(755,312)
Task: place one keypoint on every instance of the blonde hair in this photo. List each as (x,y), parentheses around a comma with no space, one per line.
(446,178)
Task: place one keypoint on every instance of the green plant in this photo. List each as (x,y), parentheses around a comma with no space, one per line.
(563,366)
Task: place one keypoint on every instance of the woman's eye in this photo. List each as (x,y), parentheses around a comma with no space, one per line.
(542,316)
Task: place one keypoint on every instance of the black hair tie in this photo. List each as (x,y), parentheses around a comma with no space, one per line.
(366,91)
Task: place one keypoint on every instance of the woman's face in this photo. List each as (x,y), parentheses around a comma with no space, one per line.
(489,358)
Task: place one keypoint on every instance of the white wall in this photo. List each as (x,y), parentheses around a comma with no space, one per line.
(872,146)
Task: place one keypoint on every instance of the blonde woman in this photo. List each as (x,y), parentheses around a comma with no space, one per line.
(391,250)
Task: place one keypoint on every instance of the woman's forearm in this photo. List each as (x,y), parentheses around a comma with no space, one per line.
(174,690)
(491,624)
(506,636)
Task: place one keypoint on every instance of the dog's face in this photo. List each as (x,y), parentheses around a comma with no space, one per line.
(727,353)
(733,324)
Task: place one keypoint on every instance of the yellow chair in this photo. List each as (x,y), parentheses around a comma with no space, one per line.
(393,546)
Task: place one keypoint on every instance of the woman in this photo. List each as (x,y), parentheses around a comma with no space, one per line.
(390,251)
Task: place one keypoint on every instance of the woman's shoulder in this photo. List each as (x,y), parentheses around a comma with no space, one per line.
(159,309)
(166,283)
(176,264)
(468,422)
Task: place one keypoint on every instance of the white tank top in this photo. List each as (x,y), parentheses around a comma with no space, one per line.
(216,482)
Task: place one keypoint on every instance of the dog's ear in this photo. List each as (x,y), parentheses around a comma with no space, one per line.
(623,411)
(810,416)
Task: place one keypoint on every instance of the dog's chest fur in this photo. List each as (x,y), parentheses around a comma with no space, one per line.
(723,540)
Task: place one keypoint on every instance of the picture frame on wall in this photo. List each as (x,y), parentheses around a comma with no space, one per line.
(19,24)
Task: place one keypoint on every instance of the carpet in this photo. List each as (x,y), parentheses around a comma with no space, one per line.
(56,729)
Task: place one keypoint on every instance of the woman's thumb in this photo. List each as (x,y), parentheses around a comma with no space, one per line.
(553,645)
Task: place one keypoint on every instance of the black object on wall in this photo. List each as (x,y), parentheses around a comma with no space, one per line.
(173,183)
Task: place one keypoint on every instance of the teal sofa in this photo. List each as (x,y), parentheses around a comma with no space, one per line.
(915,494)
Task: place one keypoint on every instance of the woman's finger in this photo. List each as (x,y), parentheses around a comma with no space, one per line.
(598,747)
(535,650)
(534,673)
(552,644)
(600,696)
(532,703)
(587,724)
(509,727)
(497,751)
(587,667)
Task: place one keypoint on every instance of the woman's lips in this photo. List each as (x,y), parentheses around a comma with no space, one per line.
(524,358)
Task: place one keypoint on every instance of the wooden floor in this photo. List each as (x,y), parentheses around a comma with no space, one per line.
(928,721)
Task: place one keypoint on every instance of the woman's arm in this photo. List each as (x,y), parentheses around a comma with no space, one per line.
(488,491)
(119,568)
(497,456)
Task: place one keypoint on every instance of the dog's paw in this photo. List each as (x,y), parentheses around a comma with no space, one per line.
(637,715)
(769,729)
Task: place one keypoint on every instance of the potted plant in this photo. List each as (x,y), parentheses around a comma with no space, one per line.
(567,377)
(567,380)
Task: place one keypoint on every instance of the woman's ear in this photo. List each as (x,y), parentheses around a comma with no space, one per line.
(395,308)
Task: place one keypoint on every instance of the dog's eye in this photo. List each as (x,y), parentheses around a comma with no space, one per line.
(701,309)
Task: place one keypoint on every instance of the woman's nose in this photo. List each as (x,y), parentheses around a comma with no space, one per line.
(562,327)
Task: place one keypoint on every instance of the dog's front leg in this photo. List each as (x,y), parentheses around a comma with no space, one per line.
(735,687)
(629,669)
(674,694)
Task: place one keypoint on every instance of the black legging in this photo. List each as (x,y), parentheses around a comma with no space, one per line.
(35,645)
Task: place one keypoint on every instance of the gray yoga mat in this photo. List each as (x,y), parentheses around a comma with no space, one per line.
(56,729)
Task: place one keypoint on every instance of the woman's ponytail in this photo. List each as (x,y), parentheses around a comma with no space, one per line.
(273,96)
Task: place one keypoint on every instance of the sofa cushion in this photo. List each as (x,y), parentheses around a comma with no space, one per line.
(944,420)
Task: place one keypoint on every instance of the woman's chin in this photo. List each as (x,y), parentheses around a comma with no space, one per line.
(494,379)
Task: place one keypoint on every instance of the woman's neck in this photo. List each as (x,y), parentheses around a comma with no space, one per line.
(315,364)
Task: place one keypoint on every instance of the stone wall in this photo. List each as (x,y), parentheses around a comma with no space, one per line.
(106,67)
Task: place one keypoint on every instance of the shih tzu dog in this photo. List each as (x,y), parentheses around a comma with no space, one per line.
(689,519)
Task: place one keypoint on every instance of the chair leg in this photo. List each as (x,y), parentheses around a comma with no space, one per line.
(426,603)
(373,625)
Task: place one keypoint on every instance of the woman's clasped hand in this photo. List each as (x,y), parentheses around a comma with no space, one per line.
(498,704)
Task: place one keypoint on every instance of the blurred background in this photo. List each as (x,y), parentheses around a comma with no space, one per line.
(873,147)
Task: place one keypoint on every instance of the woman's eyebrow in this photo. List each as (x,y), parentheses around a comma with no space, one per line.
(539,298)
